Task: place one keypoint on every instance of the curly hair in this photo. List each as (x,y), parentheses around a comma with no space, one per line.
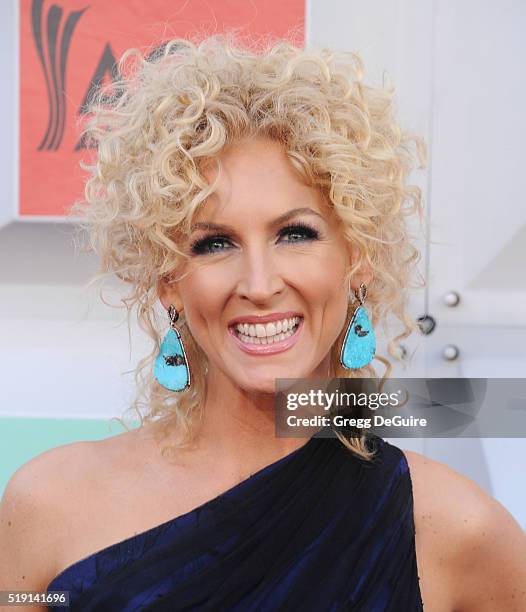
(173,110)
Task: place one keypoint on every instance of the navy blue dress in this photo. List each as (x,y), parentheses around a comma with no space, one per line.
(317,530)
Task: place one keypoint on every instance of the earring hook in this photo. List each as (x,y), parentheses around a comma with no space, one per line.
(361,293)
(173,314)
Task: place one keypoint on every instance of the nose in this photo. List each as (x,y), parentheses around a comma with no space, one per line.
(260,279)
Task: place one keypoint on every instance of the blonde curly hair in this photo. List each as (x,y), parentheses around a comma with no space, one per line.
(173,110)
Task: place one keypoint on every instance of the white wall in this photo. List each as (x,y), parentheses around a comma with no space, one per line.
(457,68)
(62,351)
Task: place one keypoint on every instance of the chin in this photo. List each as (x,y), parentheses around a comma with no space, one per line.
(267,384)
(267,387)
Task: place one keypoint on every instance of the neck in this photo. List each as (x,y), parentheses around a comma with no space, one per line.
(239,425)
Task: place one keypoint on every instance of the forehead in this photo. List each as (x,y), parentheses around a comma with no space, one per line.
(256,175)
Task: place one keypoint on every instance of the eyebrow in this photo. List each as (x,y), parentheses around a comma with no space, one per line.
(281,219)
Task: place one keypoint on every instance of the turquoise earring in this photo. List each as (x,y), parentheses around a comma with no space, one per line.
(171,366)
(359,345)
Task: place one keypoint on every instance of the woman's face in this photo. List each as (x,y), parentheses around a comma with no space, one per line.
(275,251)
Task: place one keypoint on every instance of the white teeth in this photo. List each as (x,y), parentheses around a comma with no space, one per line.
(267,334)
(268,330)
(260,330)
(271,340)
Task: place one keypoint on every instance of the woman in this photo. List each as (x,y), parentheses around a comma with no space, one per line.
(258,197)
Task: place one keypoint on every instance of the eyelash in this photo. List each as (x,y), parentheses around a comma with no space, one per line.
(199,247)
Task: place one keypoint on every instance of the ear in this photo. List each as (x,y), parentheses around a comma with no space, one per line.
(363,275)
(169,293)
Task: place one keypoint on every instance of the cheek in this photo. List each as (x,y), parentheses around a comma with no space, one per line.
(326,289)
(323,277)
(202,293)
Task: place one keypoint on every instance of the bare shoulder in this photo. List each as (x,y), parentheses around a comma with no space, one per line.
(30,514)
(478,544)
(443,495)
(36,509)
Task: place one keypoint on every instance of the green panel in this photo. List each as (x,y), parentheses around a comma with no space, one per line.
(22,438)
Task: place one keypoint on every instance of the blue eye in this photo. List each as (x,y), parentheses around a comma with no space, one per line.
(207,246)
(299,229)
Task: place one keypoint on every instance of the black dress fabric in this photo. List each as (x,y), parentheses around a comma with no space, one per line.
(318,530)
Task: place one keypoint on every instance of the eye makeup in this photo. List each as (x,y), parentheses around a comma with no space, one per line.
(202,246)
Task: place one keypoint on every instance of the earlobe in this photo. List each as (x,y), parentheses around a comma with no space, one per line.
(168,294)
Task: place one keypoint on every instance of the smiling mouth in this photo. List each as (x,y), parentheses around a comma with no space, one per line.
(269,333)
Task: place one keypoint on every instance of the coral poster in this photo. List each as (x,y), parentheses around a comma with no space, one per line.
(70,47)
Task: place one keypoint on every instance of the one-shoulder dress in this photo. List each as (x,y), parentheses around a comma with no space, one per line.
(318,530)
